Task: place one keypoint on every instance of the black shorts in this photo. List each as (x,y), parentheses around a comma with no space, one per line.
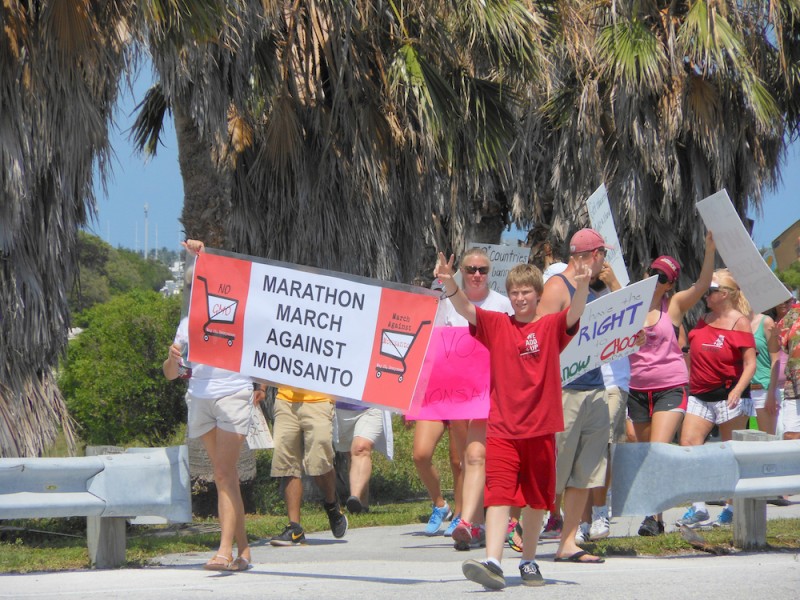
(643,403)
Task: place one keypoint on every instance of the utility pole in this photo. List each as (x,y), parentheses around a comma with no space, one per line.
(145,231)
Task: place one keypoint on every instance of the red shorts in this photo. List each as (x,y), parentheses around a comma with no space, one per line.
(521,472)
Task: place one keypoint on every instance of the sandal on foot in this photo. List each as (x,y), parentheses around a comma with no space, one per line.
(578,558)
(240,564)
(215,563)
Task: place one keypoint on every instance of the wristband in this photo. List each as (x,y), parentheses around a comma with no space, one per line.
(453,294)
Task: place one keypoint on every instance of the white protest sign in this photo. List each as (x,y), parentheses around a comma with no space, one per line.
(608,329)
(316,330)
(760,286)
(603,223)
(503,259)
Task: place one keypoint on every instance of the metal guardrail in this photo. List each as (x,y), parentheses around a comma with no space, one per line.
(107,489)
(649,478)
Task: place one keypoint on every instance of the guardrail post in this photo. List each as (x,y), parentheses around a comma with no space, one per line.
(105,536)
(750,514)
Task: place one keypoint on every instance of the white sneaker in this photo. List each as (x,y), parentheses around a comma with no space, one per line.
(582,535)
(599,528)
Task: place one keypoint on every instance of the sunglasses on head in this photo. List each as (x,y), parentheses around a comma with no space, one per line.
(473,269)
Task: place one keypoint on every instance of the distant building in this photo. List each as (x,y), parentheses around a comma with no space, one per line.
(787,246)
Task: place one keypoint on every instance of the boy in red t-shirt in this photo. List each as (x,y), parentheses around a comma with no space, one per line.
(525,410)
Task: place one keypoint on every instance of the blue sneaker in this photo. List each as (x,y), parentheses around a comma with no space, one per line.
(438,515)
(693,518)
(453,524)
(724,518)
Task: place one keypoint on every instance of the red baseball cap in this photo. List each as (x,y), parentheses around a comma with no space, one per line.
(586,240)
(667,265)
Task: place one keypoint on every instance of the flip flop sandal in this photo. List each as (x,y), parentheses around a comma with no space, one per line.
(240,564)
(576,558)
(215,565)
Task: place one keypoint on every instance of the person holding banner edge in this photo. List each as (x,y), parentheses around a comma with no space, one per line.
(220,406)
(659,375)
(525,412)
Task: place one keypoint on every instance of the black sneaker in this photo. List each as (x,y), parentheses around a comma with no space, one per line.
(292,535)
(488,574)
(354,506)
(336,518)
(530,574)
(650,527)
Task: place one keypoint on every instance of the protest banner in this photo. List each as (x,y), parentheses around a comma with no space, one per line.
(338,334)
(503,259)
(608,329)
(760,286)
(603,223)
(458,387)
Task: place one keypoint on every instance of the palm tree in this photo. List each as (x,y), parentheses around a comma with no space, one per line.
(666,102)
(59,70)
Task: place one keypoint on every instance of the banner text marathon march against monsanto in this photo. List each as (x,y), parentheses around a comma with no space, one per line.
(327,332)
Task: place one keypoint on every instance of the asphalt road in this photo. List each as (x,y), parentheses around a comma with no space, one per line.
(400,562)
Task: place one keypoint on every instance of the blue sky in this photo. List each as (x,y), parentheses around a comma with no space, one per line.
(157,183)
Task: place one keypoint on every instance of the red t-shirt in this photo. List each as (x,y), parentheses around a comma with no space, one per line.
(716,357)
(525,372)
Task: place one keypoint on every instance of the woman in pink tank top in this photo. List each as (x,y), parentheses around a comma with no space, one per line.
(659,377)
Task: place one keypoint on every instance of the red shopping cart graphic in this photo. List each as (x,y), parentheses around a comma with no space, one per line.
(398,349)
(217,311)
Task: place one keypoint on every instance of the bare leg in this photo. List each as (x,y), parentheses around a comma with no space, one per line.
(293,494)
(767,421)
(327,485)
(662,429)
(534,518)
(496,524)
(458,442)
(574,503)
(426,435)
(474,472)
(360,468)
(223,449)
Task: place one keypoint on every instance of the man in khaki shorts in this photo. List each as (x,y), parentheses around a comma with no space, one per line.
(303,434)
(583,445)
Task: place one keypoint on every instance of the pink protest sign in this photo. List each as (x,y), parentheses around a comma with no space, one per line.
(458,387)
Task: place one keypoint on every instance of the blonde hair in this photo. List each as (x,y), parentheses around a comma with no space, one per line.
(525,274)
(726,280)
(475,252)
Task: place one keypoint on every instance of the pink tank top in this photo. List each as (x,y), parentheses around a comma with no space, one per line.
(659,364)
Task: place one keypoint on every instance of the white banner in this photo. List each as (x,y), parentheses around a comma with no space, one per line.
(603,223)
(608,329)
(503,258)
(760,286)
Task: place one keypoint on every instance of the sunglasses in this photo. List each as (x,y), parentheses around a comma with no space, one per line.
(472,269)
(662,277)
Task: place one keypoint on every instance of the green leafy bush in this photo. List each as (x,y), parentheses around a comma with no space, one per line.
(112,379)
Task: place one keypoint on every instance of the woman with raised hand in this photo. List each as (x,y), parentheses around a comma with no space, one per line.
(659,377)
(723,361)
(467,438)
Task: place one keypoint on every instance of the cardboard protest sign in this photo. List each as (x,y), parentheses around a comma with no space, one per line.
(760,286)
(458,387)
(603,223)
(310,329)
(608,329)
(503,259)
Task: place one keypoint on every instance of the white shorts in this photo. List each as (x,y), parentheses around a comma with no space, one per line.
(367,424)
(718,412)
(790,415)
(230,413)
(759,398)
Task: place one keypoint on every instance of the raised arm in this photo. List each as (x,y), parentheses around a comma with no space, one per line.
(444,272)
(583,273)
(684,300)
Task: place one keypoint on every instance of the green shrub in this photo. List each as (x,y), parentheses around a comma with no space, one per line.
(112,379)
